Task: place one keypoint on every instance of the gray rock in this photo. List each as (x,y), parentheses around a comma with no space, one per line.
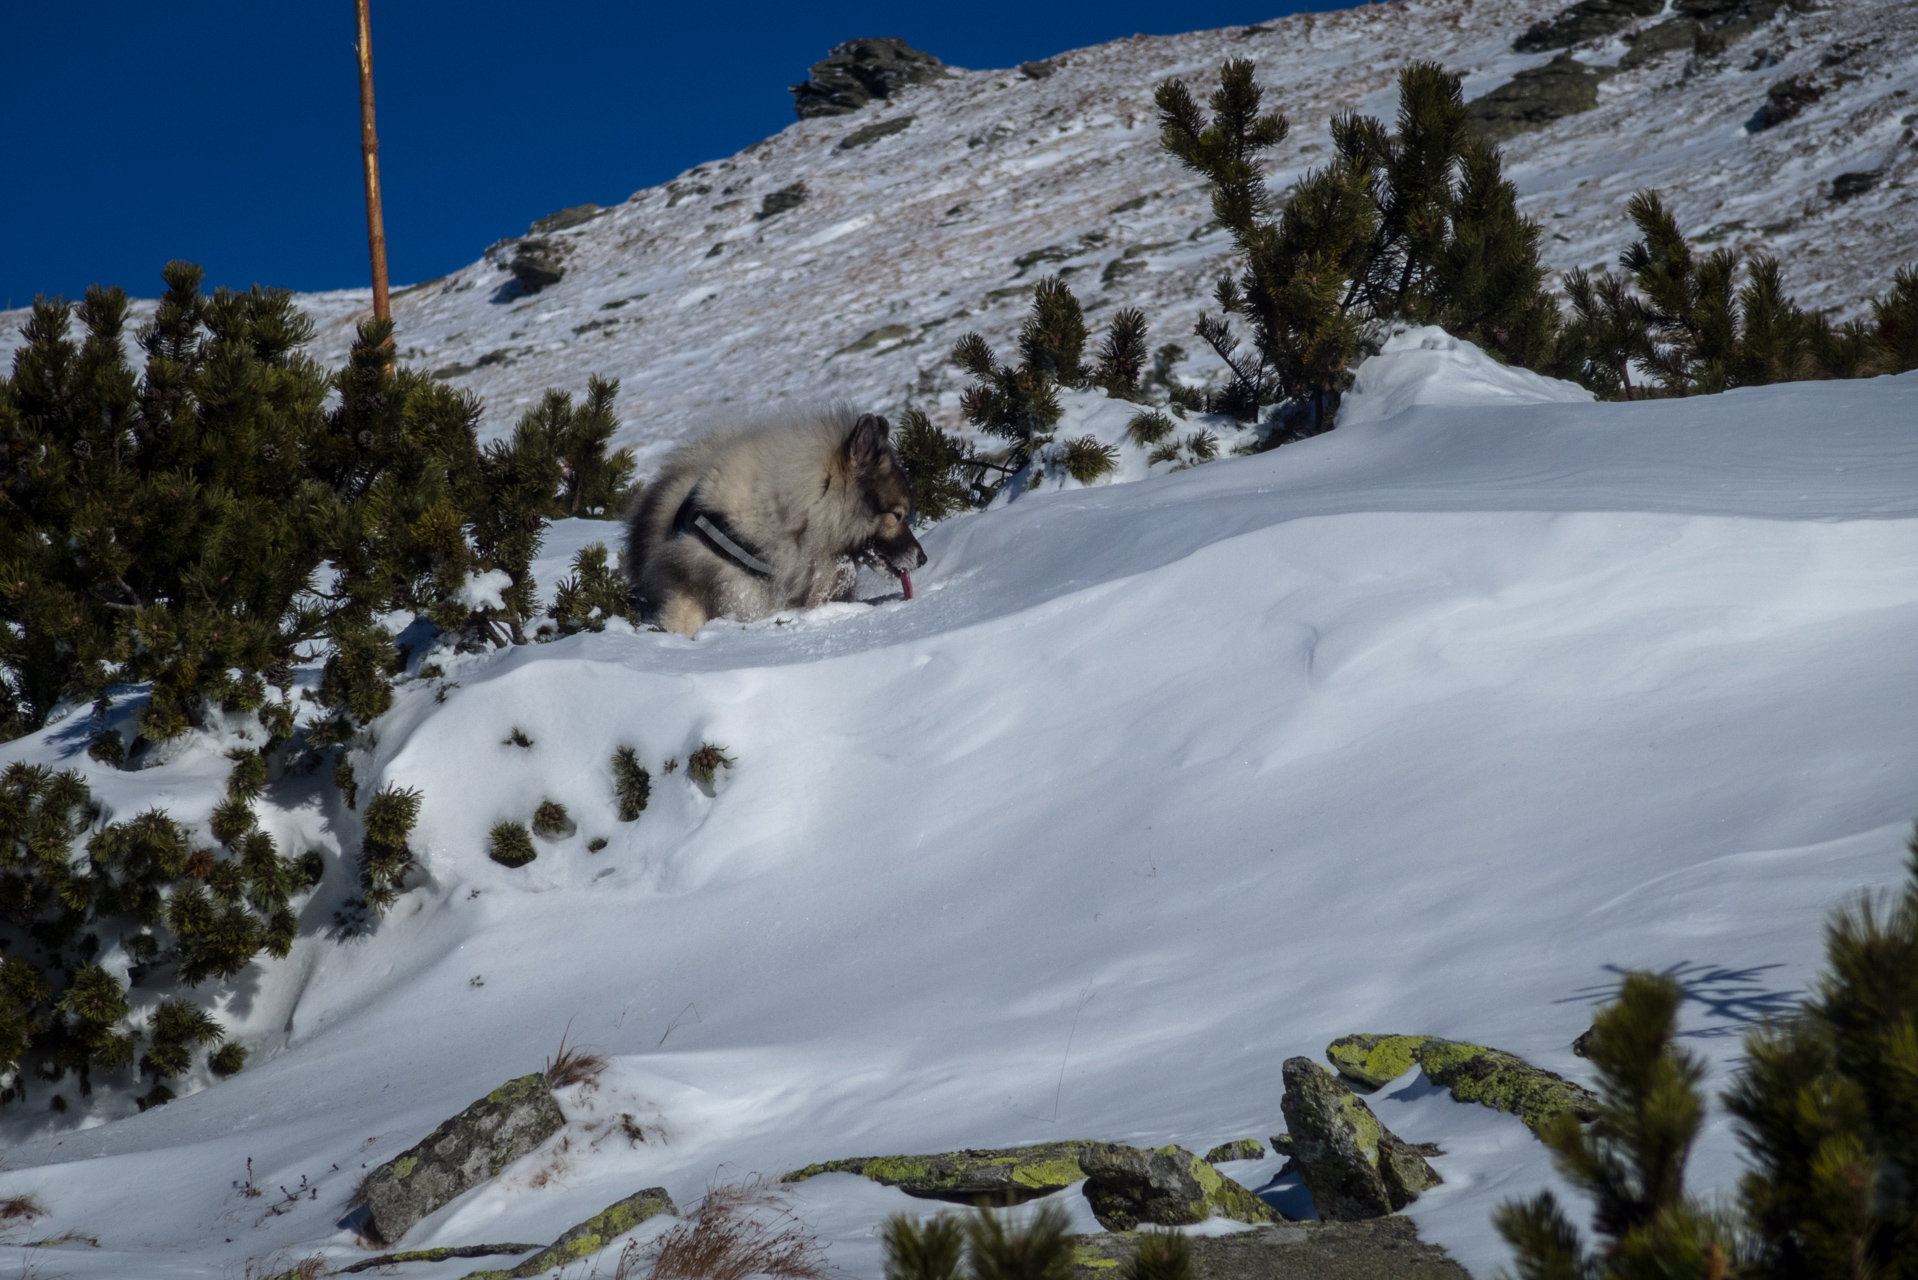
(1036,70)
(993,1176)
(784,200)
(536,264)
(1353,1165)
(866,135)
(1379,1249)
(858,71)
(1847,185)
(1585,20)
(1169,1187)
(1792,95)
(1655,42)
(1237,1149)
(578,215)
(467,1150)
(1533,99)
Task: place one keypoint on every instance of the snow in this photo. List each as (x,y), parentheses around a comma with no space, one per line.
(1434,723)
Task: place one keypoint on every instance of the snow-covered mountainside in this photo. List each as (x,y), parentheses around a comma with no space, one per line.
(703,308)
(1432,724)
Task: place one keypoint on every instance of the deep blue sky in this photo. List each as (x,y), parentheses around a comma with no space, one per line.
(228,133)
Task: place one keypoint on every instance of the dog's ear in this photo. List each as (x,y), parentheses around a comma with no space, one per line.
(868,439)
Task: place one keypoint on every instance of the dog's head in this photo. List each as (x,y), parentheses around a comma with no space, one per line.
(879,483)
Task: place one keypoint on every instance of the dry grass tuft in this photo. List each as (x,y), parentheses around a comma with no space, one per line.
(573,1064)
(741,1230)
(21,1208)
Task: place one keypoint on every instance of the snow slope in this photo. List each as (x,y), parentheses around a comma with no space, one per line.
(702,308)
(1433,723)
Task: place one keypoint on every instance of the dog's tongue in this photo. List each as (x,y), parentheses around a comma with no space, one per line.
(905,580)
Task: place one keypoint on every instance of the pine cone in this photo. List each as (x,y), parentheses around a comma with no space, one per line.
(279,674)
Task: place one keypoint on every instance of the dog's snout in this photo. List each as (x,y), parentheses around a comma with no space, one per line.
(922,557)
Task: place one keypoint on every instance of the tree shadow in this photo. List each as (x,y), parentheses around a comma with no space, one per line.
(1734,998)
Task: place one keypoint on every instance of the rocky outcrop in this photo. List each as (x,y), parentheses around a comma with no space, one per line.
(1792,95)
(1533,99)
(456,1157)
(1585,20)
(1128,1187)
(992,1176)
(1472,1072)
(858,71)
(866,135)
(1353,1165)
(1381,1247)
(1237,1149)
(537,264)
(589,1237)
(578,215)
(784,200)
(1656,41)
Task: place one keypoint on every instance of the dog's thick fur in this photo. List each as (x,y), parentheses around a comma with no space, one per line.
(815,497)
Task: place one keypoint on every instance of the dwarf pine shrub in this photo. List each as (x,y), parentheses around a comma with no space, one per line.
(510,844)
(1162,1255)
(1827,1105)
(385,856)
(1148,427)
(592,593)
(926,1249)
(1039,1248)
(935,464)
(705,763)
(632,785)
(551,819)
(1086,459)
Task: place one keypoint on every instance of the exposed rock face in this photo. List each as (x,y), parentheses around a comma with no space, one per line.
(991,1176)
(784,200)
(1584,21)
(589,1237)
(866,135)
(1354,1166)
(1237,1149)
(536,264)
(459,1155)
(1473,1073)
(1847,185)
(1533,99)
(1169,1187)
(578,215)
(1656,41)
(858,71)
(1381,1247)
(1790,96)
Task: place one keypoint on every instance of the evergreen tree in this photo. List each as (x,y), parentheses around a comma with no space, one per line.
(935,464)
(591,593)
(1828,1107)
(1631,1162)
(1122,356)
(1896,315)
(593,482)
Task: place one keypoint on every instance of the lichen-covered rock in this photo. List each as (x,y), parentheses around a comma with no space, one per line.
(1473,1073)
(443,1253)
(590,1236)
(1656,41)
(1503,1081)
(866,135)
(1377,1249)
(1353,1165)
(992,1176)
(536,264)
(1373,1061)
(1237,1149)
(1533,99)
(459,1155)
(858,71)
(577,216)
(1168,1187)
(1584,21)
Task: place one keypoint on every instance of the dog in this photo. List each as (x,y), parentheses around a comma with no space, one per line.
(746,522)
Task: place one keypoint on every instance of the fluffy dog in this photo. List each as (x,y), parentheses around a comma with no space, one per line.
(746,522)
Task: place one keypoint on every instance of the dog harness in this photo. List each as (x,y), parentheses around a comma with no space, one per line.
(720,537)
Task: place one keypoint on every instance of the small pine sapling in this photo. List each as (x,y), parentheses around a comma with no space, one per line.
(632,785)
(1148,427)
(385,857)
(935,463)
(346,780)
(703,765)
(590,594)
(1631,1161)
(510,844)
(107,747)
(1086,459)
(1022,405)
(228,1060)
(927,1249)
(517,738)
(1122,356)
(177,1029)
(1162,1255)
(551,820)
(1038,1249)
(1896,315)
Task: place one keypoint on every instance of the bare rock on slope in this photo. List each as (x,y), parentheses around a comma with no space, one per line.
(1351,1163)
(1583,21)
(1289,1251)
(858,71)
(1533,99)
(1170,1187)
(459,1155)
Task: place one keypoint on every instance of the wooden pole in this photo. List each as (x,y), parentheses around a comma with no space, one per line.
(370,154)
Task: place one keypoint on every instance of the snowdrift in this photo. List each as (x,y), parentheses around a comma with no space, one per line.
(1431,724)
